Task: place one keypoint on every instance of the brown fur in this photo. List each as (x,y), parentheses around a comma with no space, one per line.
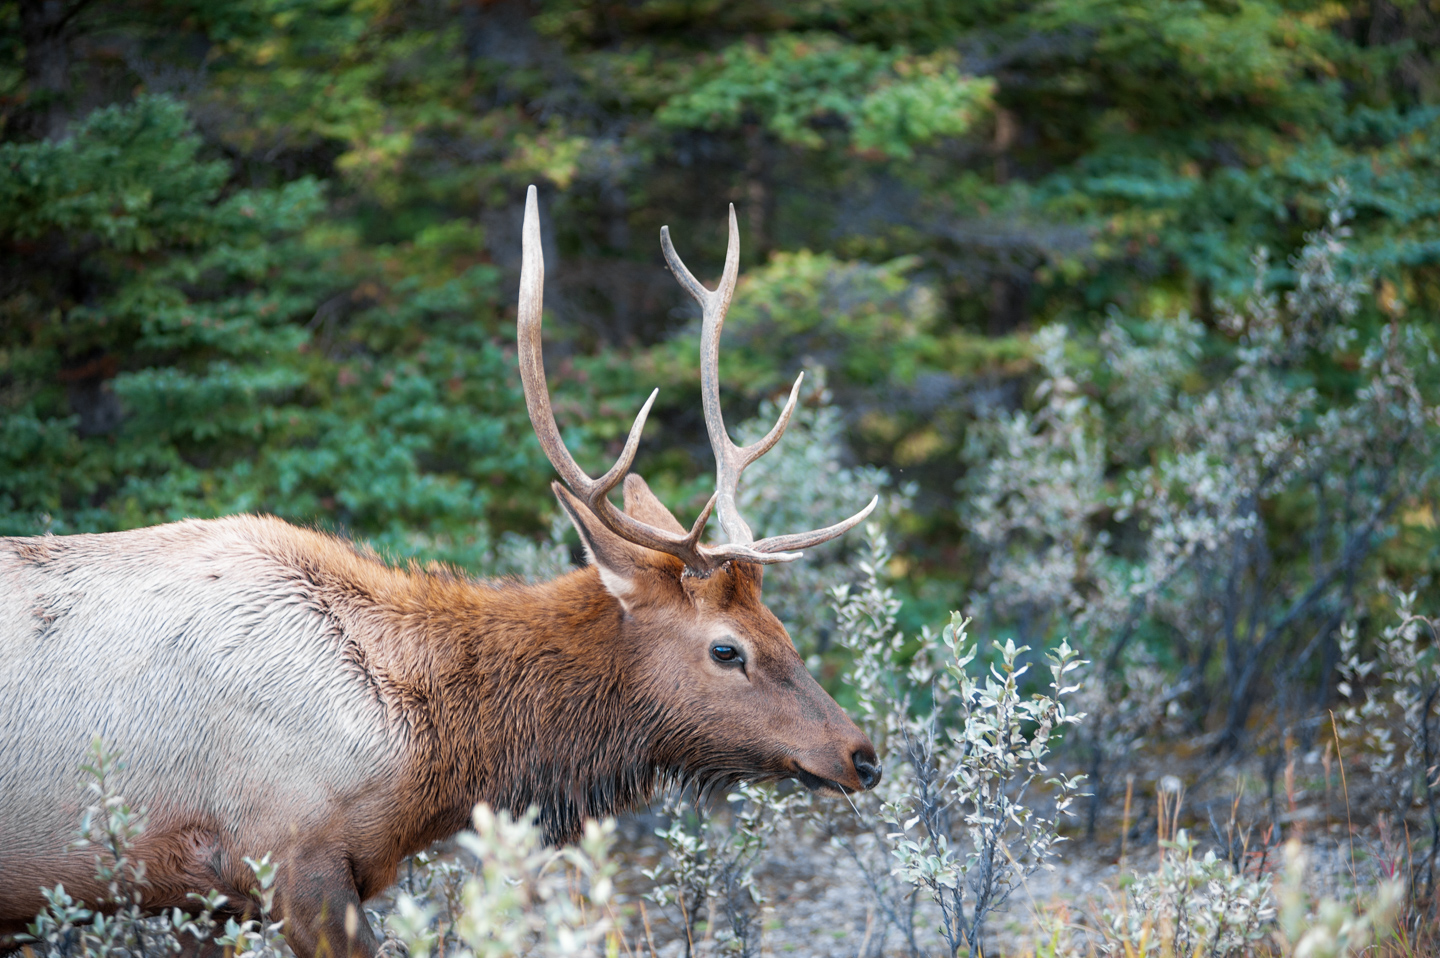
(576,697)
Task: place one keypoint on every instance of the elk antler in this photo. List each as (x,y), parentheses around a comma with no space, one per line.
(730,459)
(594,492)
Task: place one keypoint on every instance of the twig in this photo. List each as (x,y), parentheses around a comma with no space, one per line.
(1345,790)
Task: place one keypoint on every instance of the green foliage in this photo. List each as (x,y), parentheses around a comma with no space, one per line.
(887,101)
(229,354)
(868,323)
(274,270)
(151,263)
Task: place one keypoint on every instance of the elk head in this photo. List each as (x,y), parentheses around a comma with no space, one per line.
(732,698)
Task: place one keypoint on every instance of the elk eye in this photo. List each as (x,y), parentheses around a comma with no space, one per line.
(726,654)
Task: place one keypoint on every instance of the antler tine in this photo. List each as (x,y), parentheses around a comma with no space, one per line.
(594,492)
(757,449)
(532,363)
(726,290)
(805,540)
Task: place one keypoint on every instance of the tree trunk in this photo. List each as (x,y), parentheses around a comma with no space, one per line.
(43,30)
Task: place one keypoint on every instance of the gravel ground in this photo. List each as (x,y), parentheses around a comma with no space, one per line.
(819,906)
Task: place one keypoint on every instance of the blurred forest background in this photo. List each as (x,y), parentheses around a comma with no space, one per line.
(261,255)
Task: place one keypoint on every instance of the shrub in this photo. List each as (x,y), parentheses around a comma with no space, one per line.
(1194,905)
(1392,718)
(507,894)
(964,748)
(1204,504)
(119,925)
(709,866)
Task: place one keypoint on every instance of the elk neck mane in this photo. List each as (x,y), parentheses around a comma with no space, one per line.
(520,695)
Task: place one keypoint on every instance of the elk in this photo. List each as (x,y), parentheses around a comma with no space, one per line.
(275,689)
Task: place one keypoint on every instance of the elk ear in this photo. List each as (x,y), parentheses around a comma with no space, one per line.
(619,561)
(641,503)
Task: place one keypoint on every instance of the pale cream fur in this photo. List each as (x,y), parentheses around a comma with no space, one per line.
(205,657)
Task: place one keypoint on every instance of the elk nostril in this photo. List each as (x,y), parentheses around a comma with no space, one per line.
(868,771)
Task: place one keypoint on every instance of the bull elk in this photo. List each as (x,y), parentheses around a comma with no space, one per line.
(278,690)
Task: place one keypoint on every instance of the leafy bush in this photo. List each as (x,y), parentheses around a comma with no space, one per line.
(709,865)
(120,926)
(506,894)
(1313,927)
(962,752)
(1206,507)
(1190,905)
(1392,723)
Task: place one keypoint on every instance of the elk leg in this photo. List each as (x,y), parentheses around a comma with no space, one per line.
(192,947)
(9,928)
(324,917)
